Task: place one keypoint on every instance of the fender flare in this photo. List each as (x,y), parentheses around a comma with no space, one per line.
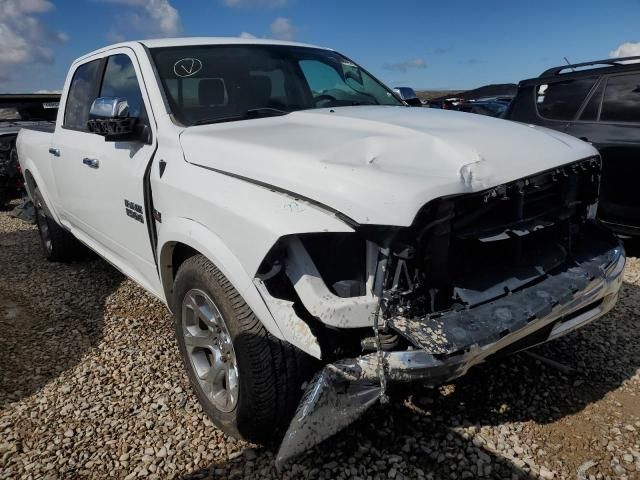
(195,235)
(33,179)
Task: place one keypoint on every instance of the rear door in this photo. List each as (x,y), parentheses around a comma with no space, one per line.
(611,122)
(72,142)
(106,179)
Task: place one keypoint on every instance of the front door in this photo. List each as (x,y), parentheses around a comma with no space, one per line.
(108,194)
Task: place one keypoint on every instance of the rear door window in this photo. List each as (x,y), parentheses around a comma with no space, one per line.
(592,109)
(621,99)
(562,100)
(82,93)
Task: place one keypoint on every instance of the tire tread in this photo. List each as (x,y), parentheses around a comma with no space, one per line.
(278,369)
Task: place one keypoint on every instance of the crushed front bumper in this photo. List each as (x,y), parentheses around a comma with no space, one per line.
(446,346)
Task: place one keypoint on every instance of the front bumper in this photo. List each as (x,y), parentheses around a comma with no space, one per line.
(445,347)
(559,304)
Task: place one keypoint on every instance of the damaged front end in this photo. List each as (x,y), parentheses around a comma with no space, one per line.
(476,274)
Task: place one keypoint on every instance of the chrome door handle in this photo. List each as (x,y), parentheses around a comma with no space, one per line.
(54,151)
(91,162)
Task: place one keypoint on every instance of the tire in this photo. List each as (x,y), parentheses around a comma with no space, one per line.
(57,244)
(268,372)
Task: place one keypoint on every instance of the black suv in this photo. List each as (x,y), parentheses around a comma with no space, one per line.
(598,102)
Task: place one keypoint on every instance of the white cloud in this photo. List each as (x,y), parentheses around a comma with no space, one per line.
(256,3)
(151,18)
(283,29)
(23,38)
(247,35)
(626,49)
(406,65)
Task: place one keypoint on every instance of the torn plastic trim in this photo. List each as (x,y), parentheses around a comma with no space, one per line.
(330,309)
(295,330)
(343,391)
(560,293)
(337,396)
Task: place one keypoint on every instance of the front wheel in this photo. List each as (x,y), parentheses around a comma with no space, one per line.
(247,381)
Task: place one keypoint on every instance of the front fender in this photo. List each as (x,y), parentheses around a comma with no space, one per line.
(198,237)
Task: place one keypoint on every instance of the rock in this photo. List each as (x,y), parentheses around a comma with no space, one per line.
(250,454)
(618,469)
(546,473)
(234,455)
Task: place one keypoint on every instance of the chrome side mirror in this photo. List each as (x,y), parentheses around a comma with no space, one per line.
(408,94)
(109,117)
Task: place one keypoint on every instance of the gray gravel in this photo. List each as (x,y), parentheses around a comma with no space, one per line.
(91,385)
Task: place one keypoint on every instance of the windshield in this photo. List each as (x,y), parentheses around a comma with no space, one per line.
(28,110)
(207,84)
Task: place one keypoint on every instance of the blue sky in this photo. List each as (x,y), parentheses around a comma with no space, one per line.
(424,44)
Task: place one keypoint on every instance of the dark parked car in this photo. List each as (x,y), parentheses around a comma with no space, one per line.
(598,102)
(17,111)
(492,108)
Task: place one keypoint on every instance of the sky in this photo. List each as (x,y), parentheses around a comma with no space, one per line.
(423,44)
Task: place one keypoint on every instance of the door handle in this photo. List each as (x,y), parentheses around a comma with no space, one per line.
(91,162)
(54,151)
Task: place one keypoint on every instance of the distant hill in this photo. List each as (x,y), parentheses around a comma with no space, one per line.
(431,94)
(494,90)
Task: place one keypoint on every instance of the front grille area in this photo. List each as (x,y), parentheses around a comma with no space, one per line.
(548,195)
(468,249)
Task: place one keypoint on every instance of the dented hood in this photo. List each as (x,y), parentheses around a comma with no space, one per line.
(379,164)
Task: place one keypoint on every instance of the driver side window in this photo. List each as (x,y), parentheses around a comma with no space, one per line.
(120,81)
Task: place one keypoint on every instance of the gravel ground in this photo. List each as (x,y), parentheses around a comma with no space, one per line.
(91,385)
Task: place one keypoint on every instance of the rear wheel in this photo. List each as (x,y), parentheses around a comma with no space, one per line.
(247,381)
(58,245)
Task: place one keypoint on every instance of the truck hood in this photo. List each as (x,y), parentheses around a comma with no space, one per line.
(378,164)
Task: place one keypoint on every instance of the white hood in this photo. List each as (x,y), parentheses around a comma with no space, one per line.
(379,165)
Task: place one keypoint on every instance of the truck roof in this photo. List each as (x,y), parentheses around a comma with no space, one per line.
(176,42)
(188,41)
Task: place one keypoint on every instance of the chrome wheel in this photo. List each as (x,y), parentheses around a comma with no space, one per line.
(210,349)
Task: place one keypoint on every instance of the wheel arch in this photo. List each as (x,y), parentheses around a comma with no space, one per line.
(180,239)
(31,183)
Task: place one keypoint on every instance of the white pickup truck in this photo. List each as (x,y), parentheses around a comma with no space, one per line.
(294,213)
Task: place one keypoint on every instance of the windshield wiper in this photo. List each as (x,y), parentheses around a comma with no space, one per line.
(265,112)
(251,113)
